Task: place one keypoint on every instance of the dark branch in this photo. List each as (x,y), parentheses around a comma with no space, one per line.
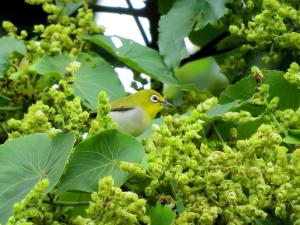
(151,12)
(121,10)
(208,50)
(138,23)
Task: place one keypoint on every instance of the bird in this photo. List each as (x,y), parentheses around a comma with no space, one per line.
(134,113)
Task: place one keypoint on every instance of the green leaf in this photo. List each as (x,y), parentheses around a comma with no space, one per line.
(94,75)
(210,11)
(220,110)
(98,157)
(289,94)
(27,160)
(137,57)
(52,65)
(242,90)
(161,215)
(271,220)
(180,208)
(179,22)
(70,7)
(294,132)
(245,130)
(291,140)
(206,35)
(203,74)
(9,45)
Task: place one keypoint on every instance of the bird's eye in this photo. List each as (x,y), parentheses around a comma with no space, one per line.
(154,98)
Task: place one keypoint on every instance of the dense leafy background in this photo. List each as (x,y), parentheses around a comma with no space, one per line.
(233,159)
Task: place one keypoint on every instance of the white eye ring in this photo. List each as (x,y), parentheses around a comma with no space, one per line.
(154,98)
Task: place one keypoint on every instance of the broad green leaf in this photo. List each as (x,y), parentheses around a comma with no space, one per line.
(272,220)
(288,93)
(164,6)
(220,110)
(202,74)
(137,57)
(161,215)
(9,45)
(204,36)
(242,90)
(294,132)
(81,198)
(27,160)
(98,157)
(291,140)
(210,11)
(70,6)
(179,22)
(180,208)
(245,130)
(52,65)
(94,75)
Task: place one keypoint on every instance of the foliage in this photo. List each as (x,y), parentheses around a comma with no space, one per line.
(228,153)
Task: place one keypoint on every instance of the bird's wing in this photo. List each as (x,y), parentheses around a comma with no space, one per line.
(118,105)
(123,108)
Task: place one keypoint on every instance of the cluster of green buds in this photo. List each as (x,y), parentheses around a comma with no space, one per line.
(63,34)
(293,74)
(57,110)
(237,183)
(103,119)
(30,210)
(112,206)
(265,28)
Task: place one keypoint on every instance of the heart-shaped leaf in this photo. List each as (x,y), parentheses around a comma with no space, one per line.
(98,157)
(52,65)
(94,75)
(27,160)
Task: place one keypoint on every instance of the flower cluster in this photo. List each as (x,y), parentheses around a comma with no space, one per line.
(111,206)
(236,184)
(103,119)
(293,74)
(57,110)
(31,210)
(266,29)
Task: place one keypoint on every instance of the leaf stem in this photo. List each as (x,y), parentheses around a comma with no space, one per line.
(278,124)
(63,203)
(218,133)
(5,97)
(10,108)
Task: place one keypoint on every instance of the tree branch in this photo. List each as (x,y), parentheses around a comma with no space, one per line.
(121,10)
(138,23)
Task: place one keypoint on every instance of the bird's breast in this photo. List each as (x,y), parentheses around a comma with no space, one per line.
(133,121)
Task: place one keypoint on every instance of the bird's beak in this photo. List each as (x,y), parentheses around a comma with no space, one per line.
(168,104)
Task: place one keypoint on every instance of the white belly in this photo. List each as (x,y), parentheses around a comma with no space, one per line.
(132,121)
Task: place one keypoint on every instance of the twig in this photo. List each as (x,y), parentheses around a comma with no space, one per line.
(121,10)
(138,23)
(62,203)
(218,133)
(10,108)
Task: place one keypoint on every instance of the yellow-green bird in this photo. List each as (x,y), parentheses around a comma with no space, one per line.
(134,113)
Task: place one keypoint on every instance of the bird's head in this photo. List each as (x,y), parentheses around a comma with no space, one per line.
(150,101)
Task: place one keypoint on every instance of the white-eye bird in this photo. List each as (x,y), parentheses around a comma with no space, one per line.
(134,113)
